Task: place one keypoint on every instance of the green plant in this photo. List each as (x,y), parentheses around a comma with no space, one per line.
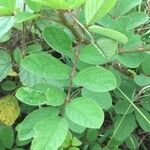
(75,73)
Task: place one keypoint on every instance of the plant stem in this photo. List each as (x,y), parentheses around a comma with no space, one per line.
(92,41)
(24,34)
(73,72)
(136,108)
(77,33)
(114,133)
(135,51)
(82,26)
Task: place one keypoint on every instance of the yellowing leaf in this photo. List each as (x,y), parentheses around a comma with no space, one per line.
(9,110)
(12,73)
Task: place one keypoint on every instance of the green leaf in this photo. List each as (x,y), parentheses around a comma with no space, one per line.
(113,144)
(132,142)
(85,112)
(109,33)
(92,55)
(36,96)
(21,143)
(29,79)
(7,7)
(121,24)
(33,6)
(50,133)
(109,48)
(144,124)
(132,60)
(5,64)
(60,4)
(2,145)
(96,9)
(145,67)
(106,21)
(142,80)
(96,147)
(8,3)
(48,66)
(103,99)
(96,79)
(6,136)
(43,87)
(34,48)
(17,54)
(5,11)
(58,40)
(55,96)
(75,142)
(30,96)
(67,141)
(6,23)
(143,115)
(82,65)
(123,130)
(74,3)
(137,19)
(121,106)
(25,129)
(146,104)
(25,16)
(124,6)
(117,75)
(134,41)
(92,9)
(5,37)
(75,127)
(145,101)
(91,135)
(128,90)
(73,148)
(8,85)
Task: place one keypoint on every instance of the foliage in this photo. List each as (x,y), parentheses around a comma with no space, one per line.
(74,74)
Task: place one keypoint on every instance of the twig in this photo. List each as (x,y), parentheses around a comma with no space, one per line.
(72,74)
(135,51)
